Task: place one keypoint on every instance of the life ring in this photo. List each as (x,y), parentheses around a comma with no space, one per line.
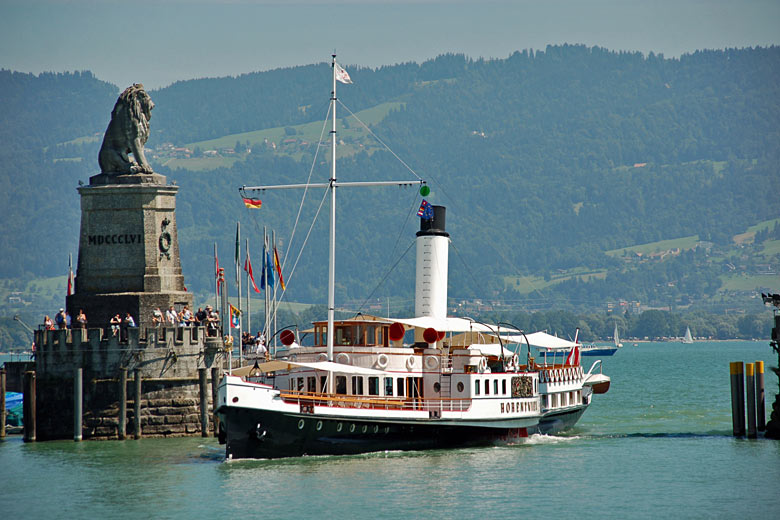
(343,358)
(482,365)
(322,356)
(381,361)
(432,362)
(541,376)
(410,361)
(516,361)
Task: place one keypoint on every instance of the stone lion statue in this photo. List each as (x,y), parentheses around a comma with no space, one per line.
(127,132)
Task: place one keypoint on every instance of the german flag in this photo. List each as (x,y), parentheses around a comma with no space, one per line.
(252,203)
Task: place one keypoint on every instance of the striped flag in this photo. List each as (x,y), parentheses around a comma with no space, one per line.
(278,267)
(252,203)
(248,269)
(70,275)
(573,359)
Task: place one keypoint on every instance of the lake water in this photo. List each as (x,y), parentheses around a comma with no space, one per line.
(658,445)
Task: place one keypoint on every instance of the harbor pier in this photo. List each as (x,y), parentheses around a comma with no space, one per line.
(171,366)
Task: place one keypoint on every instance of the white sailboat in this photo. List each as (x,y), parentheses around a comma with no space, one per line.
(359,388)
(687,338)
(616,338)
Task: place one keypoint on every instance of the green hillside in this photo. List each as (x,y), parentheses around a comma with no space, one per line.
(573,176)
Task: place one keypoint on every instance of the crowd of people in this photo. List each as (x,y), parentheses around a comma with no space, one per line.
(204,317)
(254,344)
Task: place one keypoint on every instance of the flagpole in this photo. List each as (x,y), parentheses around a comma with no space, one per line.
(216,278)
(248,301)
(276,284)
(238,283)
(266,313)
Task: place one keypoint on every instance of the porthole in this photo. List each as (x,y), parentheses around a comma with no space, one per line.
(365,428)
(376,428)
(300,424)
(351,427)
(319,425)
(460,386)
(339,427)
(387,429)
(436,387)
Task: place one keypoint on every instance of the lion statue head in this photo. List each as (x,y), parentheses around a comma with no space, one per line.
(127,132)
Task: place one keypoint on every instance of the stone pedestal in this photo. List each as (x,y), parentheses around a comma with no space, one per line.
(128,250)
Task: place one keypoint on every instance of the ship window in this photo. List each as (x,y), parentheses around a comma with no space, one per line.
(400,383)
(371,335)
(373,385)
(460,386)
(357,385)
(300,384)
(344,336)
(503,386)
(359,338)
(487,387)
(323,384)
(311,384)
(389,386)
(495,387)
(341,385)
(476,387)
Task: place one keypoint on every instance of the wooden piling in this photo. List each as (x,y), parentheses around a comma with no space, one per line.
(214,386)
(77,404)
(29,406)
(760,397)
(2,403)
(750,387)
(737,399)
(122,403)
(204,402)
(137,404)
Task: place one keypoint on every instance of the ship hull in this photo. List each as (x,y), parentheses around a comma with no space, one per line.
(264,434)
(600,351)
(559,421)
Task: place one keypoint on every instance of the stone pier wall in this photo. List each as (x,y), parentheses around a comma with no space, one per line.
(167,360)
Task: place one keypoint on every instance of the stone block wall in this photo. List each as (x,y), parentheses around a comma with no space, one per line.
(167,360)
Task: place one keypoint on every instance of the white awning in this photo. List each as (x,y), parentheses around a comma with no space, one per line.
(327,366)
(492,349)
(541,340)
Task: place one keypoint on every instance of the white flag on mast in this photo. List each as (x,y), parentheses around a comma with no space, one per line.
(341,74)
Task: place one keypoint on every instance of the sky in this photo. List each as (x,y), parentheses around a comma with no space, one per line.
(159,42)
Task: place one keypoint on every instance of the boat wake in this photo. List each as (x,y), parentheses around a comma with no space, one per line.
(544,439)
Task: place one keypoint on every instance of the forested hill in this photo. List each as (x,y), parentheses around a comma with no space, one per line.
(546,160)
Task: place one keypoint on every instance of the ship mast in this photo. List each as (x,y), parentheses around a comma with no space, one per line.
(332,246)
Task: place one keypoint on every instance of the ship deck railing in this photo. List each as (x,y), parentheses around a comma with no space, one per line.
(376,402)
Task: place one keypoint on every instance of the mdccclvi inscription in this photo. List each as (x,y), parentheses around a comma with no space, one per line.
(102,240)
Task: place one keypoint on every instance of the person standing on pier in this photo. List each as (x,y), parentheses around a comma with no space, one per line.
(81,320)
(60,319)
